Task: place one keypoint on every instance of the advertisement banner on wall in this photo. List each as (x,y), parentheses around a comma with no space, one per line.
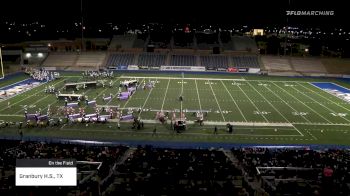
(133,67)
(232,69)
(243,70)
(122,67)
(254,70)
(182,68)
(154,68)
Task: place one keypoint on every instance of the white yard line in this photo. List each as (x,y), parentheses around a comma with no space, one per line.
(41,100)
(144,104)
(253,103)
(127,101)
(29,96)
(318,103)
(240,111)
(324,96)
(269,102)
(298,131)
(201,134)
(14,83)
(14,115)
(302,103)
(106,89)
(166,91)
(199,100)
(182,91)
(285,102)
(315,138)
(216,100)
(7,98)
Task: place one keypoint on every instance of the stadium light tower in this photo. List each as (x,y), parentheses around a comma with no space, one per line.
(82,25)
(2,66)
(286,33)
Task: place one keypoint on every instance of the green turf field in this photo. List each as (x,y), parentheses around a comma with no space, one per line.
(272,110)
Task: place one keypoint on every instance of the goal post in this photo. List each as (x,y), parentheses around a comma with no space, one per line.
(2,74)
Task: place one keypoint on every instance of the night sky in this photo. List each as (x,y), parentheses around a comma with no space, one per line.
(177,11)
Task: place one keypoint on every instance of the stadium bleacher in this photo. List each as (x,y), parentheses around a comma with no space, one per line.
(245,61)
(297,171)
(213,61)
(276,63)
(151,59)
(157,171)
(183,60)
(308,65)
(90,59)
(120,59)
(60,60)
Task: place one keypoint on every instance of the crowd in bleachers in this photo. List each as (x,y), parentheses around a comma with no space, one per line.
(164,171)
(304,171)
(12,150)
(154,171)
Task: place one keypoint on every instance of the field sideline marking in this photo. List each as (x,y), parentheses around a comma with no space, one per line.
(253,103)
(45,98)
(286,103)
(166,91)
(199,100)
(29,96)
(132,96)
(298,131)
(182,91)
(186,133)
(319,103)
(325,96)
(1,88)
(216,100)
(226,79)
(146,101)
(234,101)
(268,101)
(302,103)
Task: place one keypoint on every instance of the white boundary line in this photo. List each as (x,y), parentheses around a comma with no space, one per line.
(286,103)
(234,101)
(324,96)
(146,101)
(199,100)
(298,131)
(226,79)
(25,98)
(319,103)
(182,91)
(1,88)
(200,134)
(166,91)
(268,102)
(253,103)
(223,117)
(131,96)
(302,103)
(9,115)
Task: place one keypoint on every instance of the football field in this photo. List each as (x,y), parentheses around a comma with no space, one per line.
(266,110)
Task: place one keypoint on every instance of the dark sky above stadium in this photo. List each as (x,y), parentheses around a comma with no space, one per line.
(177,11)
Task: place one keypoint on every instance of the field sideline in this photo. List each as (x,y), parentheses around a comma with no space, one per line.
(266,110)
